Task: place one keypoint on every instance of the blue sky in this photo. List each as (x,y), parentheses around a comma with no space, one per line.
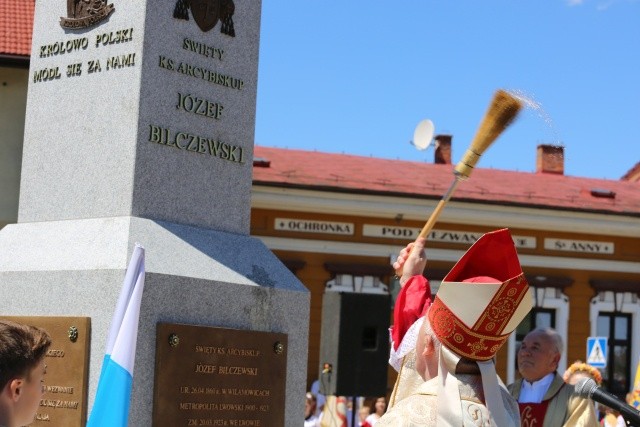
(357,77)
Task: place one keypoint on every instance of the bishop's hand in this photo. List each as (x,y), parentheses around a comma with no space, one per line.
(411,261)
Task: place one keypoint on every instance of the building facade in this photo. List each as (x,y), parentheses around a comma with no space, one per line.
(338,221)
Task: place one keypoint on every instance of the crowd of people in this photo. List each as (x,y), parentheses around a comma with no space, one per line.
(444,351)
(343,411)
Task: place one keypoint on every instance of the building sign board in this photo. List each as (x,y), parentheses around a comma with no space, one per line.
(443,236)
(583,246)
(313,226)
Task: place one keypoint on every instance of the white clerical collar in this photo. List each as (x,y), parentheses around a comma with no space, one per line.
(534,392)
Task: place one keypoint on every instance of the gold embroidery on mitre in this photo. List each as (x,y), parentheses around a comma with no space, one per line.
(456,335)
(442,322)
(502,306)
(477,346)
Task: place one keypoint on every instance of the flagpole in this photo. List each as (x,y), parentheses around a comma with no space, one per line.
(111,404)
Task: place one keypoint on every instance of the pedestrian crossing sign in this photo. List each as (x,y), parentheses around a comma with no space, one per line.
(597,351)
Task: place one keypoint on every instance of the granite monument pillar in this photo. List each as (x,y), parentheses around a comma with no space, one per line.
(139,128)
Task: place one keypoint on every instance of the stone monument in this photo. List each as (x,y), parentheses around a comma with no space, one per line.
(139,128)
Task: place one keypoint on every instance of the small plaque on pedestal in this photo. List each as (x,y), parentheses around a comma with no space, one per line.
(207,376)
(64,402)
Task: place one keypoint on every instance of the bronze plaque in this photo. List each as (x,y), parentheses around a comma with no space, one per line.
(64,403)
(208,376)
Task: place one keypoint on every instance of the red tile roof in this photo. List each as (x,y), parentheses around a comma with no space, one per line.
(16,25)
(356,174)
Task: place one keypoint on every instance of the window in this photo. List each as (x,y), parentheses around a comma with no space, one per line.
(616,315)
(434,276)
(358,278)
(537,318)
(617,327)
(359,284)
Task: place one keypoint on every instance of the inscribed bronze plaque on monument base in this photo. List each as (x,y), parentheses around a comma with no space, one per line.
(64,403)
(208,376)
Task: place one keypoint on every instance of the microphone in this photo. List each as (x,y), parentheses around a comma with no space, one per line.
(588,389)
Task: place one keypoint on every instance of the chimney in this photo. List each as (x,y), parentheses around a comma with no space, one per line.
(550,159)
(442,155)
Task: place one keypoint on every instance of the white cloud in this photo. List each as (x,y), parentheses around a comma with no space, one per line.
(602,5)
(605,5)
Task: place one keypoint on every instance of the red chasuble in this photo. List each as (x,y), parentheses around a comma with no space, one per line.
(532,414)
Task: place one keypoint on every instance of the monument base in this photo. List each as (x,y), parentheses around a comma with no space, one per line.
(194,276)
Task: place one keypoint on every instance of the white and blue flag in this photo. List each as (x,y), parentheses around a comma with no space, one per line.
(111,405)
